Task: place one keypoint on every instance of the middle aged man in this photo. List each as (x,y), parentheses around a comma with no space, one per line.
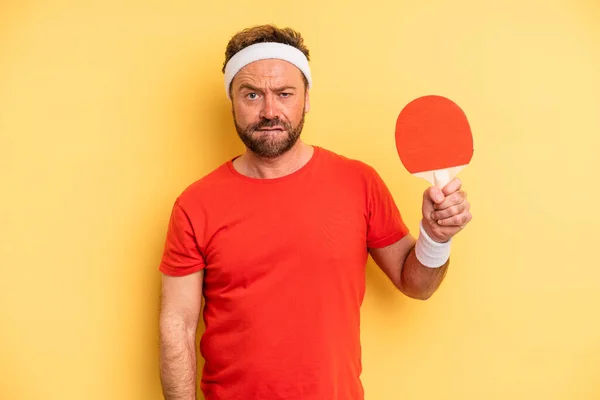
(276,240)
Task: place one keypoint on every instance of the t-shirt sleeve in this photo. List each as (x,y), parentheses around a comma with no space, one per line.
(181,255)
(385,224)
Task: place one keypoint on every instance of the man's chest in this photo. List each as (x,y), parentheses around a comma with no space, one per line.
(282,238)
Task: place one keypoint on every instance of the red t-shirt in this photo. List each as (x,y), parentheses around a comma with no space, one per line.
(284,279)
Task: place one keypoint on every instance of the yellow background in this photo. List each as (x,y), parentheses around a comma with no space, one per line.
(109,109)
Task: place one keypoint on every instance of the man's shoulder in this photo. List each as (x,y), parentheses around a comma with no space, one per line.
(346,163)
(206,187)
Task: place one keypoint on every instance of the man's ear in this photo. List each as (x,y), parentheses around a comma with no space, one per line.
(306,101)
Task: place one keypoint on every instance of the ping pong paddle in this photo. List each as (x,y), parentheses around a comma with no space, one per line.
(434,139)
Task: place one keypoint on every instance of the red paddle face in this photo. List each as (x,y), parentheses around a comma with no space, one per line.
(432,133)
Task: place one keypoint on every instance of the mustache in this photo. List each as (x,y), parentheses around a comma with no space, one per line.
(270,123)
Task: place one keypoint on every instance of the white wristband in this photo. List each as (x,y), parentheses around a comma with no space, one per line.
(430,253)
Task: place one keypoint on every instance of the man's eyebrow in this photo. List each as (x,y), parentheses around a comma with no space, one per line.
(255,89)
(283,88)
(249,86)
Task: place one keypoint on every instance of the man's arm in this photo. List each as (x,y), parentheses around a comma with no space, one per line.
(399,262)
(445,213)
(181,300)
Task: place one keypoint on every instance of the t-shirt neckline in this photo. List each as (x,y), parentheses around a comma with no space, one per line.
(300,171)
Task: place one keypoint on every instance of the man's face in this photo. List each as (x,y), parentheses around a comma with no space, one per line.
(269,102)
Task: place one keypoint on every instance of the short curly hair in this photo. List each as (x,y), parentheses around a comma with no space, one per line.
(261,34)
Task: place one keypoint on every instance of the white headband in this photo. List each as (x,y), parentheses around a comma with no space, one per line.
(261,51)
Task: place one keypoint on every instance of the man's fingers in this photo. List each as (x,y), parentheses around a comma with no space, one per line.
(450,211)
(459,220)
(446,210)
(430,197)
(453,186)
(434,195)
(452,200)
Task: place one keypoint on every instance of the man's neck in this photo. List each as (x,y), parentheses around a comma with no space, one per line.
(254,166)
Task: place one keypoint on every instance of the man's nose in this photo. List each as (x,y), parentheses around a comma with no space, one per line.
(269,109)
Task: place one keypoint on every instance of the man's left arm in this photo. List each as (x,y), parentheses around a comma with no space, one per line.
(418,266)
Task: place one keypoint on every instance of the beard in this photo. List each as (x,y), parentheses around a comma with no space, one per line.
(270,145)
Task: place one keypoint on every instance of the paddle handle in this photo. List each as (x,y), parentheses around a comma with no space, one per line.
(441,178)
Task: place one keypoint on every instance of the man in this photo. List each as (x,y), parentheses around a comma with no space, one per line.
(276,240)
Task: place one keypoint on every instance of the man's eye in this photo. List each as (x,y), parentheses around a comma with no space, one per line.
(252,96)
(286,94)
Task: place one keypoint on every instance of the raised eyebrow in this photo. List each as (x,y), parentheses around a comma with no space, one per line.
(284,88)
(255,89)
(249,87)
